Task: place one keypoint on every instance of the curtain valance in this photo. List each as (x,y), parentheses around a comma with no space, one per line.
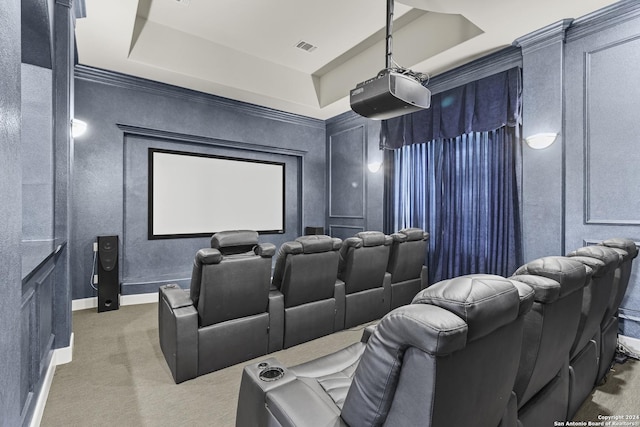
(480,106)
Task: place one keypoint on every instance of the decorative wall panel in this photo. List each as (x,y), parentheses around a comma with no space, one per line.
(346,173)
(612,148)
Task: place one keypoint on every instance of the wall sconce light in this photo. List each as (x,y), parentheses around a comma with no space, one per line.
(374,166)
(78,127)
(541,140)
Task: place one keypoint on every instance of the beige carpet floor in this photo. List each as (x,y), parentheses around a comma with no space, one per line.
(118,377)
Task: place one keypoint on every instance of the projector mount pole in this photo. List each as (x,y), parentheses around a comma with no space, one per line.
(389,59)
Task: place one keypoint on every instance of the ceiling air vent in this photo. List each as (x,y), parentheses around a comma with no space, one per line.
(308,47)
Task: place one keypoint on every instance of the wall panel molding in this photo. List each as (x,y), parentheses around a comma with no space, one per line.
(600,100)
(197,139)
(96,75)
(350,158)
(175,257)
(590,242)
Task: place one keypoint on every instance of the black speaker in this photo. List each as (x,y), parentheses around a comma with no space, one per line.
(108,274)
(310,231)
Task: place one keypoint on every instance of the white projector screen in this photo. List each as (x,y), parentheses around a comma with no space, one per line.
(192,194)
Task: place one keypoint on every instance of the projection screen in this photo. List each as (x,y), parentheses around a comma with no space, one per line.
(193,194)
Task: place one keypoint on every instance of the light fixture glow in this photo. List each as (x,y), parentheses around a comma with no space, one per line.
(541,140)
(78,127)
(374,166)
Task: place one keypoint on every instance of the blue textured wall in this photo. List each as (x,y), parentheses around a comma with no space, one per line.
(37,170)
(602,64)
(107,168)
(10,212)
(355,199)
(542,170)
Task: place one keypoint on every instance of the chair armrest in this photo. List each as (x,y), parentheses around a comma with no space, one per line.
(339,295)
(424,277)
(178,332)
(276,320)
(295,404)
(175,296)
(386,292)
(251,410)
(367,332)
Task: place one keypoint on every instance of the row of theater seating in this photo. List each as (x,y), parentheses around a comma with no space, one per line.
(236,311)
(477,350)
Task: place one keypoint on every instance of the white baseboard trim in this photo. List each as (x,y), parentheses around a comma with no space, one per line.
(632,343)
(64,355)
(135,299)
(60,357)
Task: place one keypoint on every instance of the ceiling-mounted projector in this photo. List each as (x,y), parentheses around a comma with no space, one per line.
(394,91)
(390,94)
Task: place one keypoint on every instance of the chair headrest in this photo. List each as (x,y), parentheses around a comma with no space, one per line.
(594,266)
(572,275)
(410,235)
(265,250)
(627,245)
(608,257)
(318,243)
(485,302)
(208,256)
(372,238)
(545,290)
(233,238)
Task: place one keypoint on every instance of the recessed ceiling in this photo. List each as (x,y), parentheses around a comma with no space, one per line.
(250,50)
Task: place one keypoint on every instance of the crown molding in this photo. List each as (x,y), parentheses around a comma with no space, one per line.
(97,75)
(546,36)
(502,60)
(344,118)
(604,19)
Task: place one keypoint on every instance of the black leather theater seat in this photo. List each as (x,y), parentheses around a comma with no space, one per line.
(225,318)
(406,265)
(306,274)
(441,361)
(363,264)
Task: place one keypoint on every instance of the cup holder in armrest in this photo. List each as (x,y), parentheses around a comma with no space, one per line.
(272,373)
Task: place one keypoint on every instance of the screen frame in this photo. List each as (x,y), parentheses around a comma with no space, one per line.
(150,204)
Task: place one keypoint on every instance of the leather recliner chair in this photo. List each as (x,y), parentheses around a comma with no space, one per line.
(542,384)
(585,352)
(225,318)
(627,251)
(363,263)
(306,275)
(443,360)
(409,275)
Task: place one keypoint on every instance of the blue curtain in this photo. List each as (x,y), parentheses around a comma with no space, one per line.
(479,106)
(464,190)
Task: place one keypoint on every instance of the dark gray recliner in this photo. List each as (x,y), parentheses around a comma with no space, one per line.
(306,275)
(628,251)
(542,384)
(409,275)
(363,264)
(225,318)
(585,352)
(448,359)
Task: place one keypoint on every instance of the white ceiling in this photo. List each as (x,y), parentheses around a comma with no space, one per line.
(246,49)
